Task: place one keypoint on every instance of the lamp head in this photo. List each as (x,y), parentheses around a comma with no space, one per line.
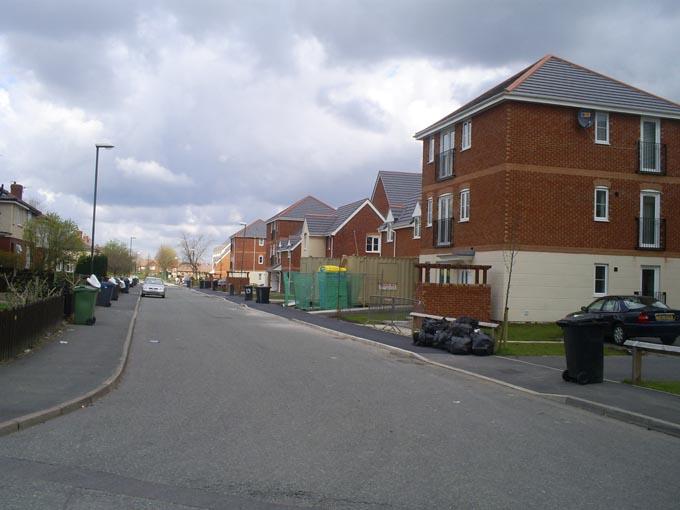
(104,146)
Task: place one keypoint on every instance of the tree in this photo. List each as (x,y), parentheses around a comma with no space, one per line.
(193,249)
(100,265)
(509,257)
(52,241)
(165,257)
(118,256)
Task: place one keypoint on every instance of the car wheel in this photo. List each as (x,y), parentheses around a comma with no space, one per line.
(618,334)
(668,340)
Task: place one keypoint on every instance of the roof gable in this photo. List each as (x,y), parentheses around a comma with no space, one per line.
(300,209)
(399,187)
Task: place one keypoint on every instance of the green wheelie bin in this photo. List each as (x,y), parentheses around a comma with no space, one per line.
(85,298)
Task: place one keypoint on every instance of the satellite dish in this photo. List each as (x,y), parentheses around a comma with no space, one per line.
(585,118)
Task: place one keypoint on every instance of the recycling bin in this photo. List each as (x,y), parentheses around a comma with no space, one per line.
(583,348)
(262,294)
(232,290)
(105,294)
(248,290)
(116,289)
(85,298)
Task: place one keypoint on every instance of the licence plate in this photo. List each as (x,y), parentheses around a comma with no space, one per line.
(665,317)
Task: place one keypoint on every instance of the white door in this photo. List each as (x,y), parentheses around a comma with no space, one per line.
(650,146)
(650,220)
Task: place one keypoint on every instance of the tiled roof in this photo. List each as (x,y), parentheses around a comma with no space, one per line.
(257,229)
(555,80)
(344,212)
(324,225)
(400,187)
(283,243)
(303,207)
(6,196)
(319,224)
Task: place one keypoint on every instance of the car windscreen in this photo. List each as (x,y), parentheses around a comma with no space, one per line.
(638,302)
(154,281)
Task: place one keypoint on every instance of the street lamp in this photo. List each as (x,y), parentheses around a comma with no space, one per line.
(288,286)
(131,259)
(243,244)
(94,205)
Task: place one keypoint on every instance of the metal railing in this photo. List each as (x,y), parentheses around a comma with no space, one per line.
(442,233)
(444,165)
(651,233)
(651,157)
(659,296)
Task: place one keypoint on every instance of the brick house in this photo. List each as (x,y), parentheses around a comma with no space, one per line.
(14,214)
(579,172)
(248,251)
(351,230)
(221,260)
(284,229)
(397,196)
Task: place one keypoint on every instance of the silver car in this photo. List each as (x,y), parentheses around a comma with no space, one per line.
(153,287)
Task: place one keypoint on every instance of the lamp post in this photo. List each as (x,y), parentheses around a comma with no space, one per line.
(94,205)
(243,244)
(290,253)
(132,263)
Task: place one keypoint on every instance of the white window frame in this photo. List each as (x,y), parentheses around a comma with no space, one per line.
(430,155)
(416,227)
(466,138)
(429,212)
(464,213)
(448,198)
(260,259)
(606,280)
(260,242)
(657,147)
(389,237)
(598,116)
(374,238)
(447,143)
(606,203)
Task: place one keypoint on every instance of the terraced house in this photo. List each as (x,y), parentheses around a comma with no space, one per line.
(579,172)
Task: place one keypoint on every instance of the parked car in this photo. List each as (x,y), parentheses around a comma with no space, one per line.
(635,316)
(153,287)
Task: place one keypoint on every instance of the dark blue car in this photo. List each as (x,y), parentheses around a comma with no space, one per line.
(636,316)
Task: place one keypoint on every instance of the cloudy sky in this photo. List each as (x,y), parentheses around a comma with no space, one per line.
(225,111)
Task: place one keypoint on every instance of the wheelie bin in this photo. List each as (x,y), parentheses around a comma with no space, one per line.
(114,296)
(232,290)
(85,298)
(583,348)
(248,290)
(262,294)
(105,294)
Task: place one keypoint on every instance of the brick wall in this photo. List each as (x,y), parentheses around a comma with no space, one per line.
(379,199)
(245,253)
(454,300)
(403,245)
(351,239)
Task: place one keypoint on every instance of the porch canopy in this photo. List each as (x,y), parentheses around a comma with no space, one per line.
(424,270)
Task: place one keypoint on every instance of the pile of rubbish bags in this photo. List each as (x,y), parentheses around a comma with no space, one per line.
(461,336)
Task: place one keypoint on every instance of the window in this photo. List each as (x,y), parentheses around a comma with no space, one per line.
(444,276)
(260,259)
(446,155)
(372,244)
(601,277)
(429,212)
(430,156)
(466,142)
(464,205)
(444,220)
(416,227)
(601,203)
(464,277)
(390,233)
(602,127)
(260,242)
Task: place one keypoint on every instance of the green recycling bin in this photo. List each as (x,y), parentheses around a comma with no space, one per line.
(85,298)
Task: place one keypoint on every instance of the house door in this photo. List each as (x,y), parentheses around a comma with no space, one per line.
(650,220)
(649,280)
(650,147)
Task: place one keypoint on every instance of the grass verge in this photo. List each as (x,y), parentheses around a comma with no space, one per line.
(373,317)
(534,332)
(556,349)
(667,386)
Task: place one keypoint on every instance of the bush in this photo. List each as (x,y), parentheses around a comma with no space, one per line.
(101,263)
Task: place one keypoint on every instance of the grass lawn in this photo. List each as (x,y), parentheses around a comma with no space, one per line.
(276,295)
(373,317)
(667,386)
(533,332)
(557,349)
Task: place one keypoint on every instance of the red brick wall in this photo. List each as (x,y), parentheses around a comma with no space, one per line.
(245,256)
(284,229)
(453,300)
(365,222)
(403,245)
(379,199)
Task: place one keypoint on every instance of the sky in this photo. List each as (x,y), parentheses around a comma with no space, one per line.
(227,111)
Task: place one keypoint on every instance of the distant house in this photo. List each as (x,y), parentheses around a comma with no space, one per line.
(283,237)
(248,251)
(221,259)
(397,196)
(14,214)
(350,230)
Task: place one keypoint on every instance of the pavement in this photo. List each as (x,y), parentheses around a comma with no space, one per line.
(223,406)
(77,361)
(539,374)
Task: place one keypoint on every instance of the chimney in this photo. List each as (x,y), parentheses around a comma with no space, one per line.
(17,190)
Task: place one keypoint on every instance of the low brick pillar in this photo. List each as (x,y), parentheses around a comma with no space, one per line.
(455,300)
(238,283)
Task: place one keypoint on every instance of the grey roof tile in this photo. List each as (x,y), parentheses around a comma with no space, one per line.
(400,187)
(257,229)
(319,224)
(303,207)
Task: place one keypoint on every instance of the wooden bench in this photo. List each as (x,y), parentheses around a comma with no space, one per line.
(640,347)
(418,318)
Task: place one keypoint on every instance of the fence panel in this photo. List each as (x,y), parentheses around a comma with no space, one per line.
(21,327)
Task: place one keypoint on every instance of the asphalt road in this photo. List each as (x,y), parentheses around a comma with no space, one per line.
(234,408)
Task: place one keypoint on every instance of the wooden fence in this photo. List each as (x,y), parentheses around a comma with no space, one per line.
(20,328)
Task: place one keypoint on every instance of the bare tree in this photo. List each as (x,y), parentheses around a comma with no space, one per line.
(509,258)
(193,249)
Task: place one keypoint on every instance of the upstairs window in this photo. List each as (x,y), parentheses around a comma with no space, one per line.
(429,212)
(602,127)
(446,155)
(260,242)
(372,244)
(390,233)
(430,156)
(260,259)
(464,205)
(416,227)
(601,203)
(466,141)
